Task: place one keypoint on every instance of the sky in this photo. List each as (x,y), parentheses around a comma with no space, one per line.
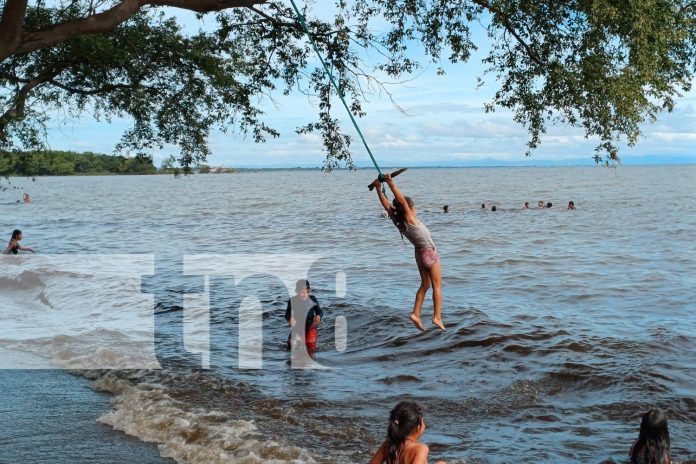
(443,124)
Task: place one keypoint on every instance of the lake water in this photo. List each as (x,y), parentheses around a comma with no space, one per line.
(562,326)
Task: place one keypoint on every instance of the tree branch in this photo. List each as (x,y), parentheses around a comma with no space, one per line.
(88,92)
(108,20)
(508,26)
(273,20)
(17,111)
(205,6)
(11,25)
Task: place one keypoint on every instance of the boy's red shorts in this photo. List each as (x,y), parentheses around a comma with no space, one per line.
(311,338)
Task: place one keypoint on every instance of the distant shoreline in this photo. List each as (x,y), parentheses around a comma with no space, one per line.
(242,170)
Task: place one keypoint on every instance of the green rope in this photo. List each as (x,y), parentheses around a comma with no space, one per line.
(338,90)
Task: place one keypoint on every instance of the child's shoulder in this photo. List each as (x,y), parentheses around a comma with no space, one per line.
(417,452)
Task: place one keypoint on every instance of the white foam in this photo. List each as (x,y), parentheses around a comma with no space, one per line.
(98,349)
(79,311)
(190,436)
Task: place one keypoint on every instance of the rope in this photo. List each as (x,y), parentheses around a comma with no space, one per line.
(338,90)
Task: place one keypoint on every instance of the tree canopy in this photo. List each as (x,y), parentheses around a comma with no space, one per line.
(605,66)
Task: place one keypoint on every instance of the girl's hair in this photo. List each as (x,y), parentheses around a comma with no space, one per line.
(653,442)
(398,210)
(403,420)
(16,233)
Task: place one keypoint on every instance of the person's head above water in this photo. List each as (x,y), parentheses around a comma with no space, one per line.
(16,234)
(445,208)
(526,204)
(549,204)
(493,208)
(406,422)
(302,288)
(652,446)
(483,205)
(571,205)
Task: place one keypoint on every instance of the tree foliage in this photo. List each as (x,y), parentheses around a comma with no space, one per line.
(604,66)
(66,163)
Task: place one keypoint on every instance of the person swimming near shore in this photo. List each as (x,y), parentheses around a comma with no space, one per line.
(303,305)
(526,205)
(549,205)
(26,198)
(406,426)
(494,208)
(540,204)
(571,205)
(445,209)
(14,246)
(403,214)
(653,445)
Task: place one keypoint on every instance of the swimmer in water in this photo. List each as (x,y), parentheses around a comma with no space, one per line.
(571,205)
(406,426)
(26,198)
(403,213)
(494,208)
(445,209)
(14,247)
(526,205)
(540,204)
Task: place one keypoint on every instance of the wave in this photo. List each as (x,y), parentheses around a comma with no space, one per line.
(188,434)
(26,280)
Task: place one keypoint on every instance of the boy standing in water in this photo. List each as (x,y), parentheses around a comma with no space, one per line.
(303,306)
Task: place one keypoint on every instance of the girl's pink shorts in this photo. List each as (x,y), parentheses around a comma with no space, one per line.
(426,258)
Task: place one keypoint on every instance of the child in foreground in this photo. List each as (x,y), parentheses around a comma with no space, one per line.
(303,306)
(402,212)
(652,446)
(406,426)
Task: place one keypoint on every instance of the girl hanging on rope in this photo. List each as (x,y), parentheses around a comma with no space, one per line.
(403,213)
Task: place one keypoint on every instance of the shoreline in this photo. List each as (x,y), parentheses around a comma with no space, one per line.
(51,416)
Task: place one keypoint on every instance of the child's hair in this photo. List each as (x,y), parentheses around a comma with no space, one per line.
(16,233)
(653,442)
(403,420)
(398,211)
(302,284)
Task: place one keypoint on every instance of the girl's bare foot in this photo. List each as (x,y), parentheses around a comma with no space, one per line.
(417,322)
(438,322)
